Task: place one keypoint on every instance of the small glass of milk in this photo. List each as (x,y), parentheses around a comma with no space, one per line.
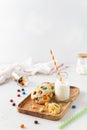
(62,90)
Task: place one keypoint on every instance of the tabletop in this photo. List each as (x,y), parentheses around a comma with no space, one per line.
(11,119)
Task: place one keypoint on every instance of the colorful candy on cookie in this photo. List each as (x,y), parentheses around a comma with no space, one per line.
(54,108)
(43,93)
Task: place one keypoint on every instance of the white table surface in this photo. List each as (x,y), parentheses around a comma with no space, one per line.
(10,118)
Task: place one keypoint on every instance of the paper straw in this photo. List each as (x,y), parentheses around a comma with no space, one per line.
(57,69)
(72,118)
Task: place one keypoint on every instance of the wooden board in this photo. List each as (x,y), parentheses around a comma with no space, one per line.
(25,106)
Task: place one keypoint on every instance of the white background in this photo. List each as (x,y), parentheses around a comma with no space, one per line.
(29,28)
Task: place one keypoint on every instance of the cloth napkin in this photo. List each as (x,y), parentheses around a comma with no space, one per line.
(27,68)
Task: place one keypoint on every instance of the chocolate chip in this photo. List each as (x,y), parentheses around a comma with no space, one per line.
(36,99)
(42,86)
(34,92)
(53,94)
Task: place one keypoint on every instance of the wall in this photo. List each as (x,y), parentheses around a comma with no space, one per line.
(32,27)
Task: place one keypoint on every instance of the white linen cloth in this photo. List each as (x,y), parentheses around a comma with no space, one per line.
(26,68)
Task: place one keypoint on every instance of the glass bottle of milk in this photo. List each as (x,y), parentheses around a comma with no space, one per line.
(62,90)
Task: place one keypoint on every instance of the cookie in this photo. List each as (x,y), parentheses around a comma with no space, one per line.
(43,93)
(54,108)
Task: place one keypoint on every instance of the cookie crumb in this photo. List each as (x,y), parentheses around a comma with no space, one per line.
(46,104)
(42,110)
(33,107)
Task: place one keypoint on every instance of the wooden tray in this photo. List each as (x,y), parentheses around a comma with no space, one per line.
(25,106)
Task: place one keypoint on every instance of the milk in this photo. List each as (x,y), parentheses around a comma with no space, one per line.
(62,90)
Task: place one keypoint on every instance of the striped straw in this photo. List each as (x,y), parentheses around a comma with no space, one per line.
(57,69)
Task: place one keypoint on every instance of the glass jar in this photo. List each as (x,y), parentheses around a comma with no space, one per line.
(81,67)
